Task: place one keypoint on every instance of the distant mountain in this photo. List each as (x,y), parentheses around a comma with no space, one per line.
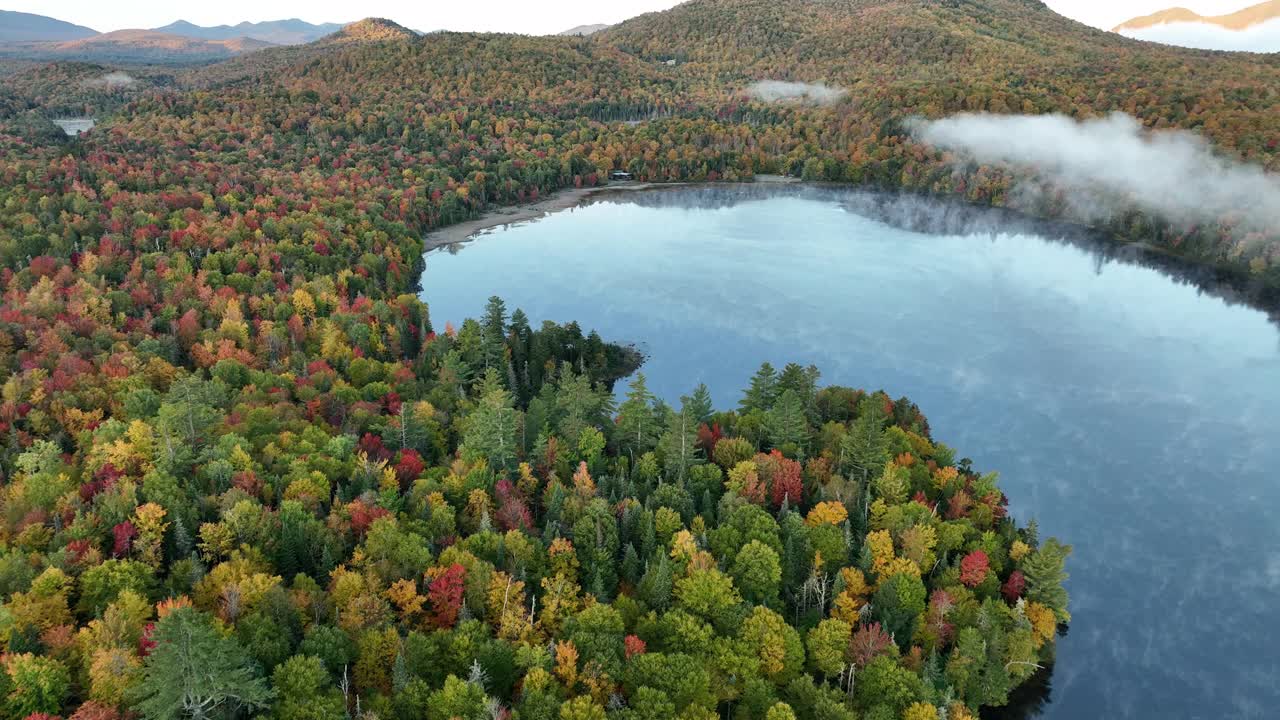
(166,43)
(582,30)
(26,27)
(276,32)
(1255,29)
(370,30)
(1240,20)
(140,46)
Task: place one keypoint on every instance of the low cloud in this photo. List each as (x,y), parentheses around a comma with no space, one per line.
(795,92)
(113,79)
(1108,164)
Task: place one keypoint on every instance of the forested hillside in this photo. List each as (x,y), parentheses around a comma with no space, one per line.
(230,432)
(898,59)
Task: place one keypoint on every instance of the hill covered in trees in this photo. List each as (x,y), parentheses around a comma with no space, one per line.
(888,61)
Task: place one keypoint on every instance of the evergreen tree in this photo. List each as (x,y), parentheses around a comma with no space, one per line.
(187,418)
(763,390)
(786,421)
(637,427)
(657,584)
(797,552)
(492,427)
(471,347)
(195,672)
(804,381)
(1045,576)
(678,445)
(519,336)
(411,429)
(494,338)
(631,565)
(699,404)
(864,450)
(578,405)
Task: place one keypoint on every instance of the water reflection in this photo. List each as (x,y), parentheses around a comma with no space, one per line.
(1129,404)
(946,216)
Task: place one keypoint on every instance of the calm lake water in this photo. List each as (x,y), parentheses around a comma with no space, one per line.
(1133,415)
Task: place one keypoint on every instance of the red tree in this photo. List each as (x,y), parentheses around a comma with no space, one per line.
(124,533)
(372,446)
(145,643)
(94,711)
(708,437)
(784,479)
(633,646)
(362,516)
(445,594)
(188,328)
(867,643)
(409,467)
(940,603)
(1013,587)
(513,512)
(973,568)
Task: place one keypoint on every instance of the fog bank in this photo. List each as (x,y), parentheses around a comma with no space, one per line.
(783,91)
(113,79)
(1107,164)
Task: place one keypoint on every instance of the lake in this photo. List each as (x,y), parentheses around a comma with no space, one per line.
(1131,413)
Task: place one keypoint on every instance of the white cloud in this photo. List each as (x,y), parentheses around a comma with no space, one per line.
(1107,164)
(783,91)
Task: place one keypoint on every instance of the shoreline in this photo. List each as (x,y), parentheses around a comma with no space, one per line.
(1221,282)
(560,200)
(511,214)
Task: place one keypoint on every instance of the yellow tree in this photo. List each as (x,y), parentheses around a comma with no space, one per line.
(566,667)
(827,513)
(881,545)
(149,520)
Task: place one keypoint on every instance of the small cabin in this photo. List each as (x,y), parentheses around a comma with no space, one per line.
(619,175)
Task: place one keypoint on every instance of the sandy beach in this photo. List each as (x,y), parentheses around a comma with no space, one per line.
(508,214)
(562,200)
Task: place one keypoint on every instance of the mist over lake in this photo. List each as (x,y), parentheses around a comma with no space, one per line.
(1129,412)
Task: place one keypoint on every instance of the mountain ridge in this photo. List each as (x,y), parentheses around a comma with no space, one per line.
(136,46)
(291,31)
(1239,20)
(29,27)
(584,30)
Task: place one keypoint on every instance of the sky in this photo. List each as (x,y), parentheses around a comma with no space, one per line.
(1263,37)
(544,17)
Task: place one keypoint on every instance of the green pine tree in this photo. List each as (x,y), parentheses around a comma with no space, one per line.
(763,390)
(1045,576)
(637,428)
(195,672)
(699,404)
(494,337)
(492,428)
(785,421)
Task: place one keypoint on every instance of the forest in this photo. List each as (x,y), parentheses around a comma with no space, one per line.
(244,475)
